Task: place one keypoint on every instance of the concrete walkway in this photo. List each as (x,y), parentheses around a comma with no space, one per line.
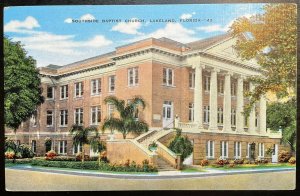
(17,179)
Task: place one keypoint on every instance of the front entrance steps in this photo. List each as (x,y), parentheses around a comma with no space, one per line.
(163,165)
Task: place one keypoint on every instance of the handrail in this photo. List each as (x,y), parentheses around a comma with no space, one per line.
(170,152)
(148,152)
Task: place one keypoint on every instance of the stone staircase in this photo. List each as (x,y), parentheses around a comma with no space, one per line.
(153,136)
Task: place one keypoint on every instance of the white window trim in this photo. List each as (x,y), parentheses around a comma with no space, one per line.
(261,146)
(78,149)
(206,84)
(93,153)
(238,144)
(79,119)
(191,110)
(64,87)
(64,120)
(53,95)
(109,110)
(223,143)
(80,90)
(220,116)
(33,147)
(134,71)
(51,120)
(206,115)
(64,145)
(167,77)
(109,83)
(210,142)
(193,79)
(91,116)
(221,83)
(248,150)
(98,86)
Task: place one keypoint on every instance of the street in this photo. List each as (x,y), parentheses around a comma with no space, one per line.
(21,180)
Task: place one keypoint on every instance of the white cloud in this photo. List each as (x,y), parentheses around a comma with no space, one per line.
(218,27)
(68,20)
(18,26)
(87,17)
(187,15)
(128,27)
(173,31)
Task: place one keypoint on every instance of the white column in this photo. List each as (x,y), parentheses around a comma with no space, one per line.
(213,101)
(227,104)
(198,113)
(262,115)
(252,114)
(239,105)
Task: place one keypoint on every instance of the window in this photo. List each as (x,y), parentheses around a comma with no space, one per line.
(168,76)
(256,119)
(78,116)
(248,150)
(78,89)
(110,110)
(95,86)
(233,117)
(77,149)
(63,118)
(133,76)
(33,119)
(233,89)
(111,83)
(261,150)
(62,147)
(221,86)
(237,150)
(246,86)
(64,92)
(136,110)
(50,92)
(206,114)
(224,149)
(191,112)
(49,118)
(220,115)
(246,121)
(207,83)
(210,149)
(95,115)
(33,146)
(192,79)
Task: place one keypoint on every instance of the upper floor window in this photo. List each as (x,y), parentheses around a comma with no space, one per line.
(77,149)
(210,149)
(133,76)
(33,146)
(206,114)
(237,150)
(168,76)
(233,117)
(111,83)
(220,116)
(50,92)
(192,79)
(221,86)
(136,110)
(191,112)
(233,89)
(49,118)
(95,86)
(78,89)
(95,115)
(246,86)
(34,119)
(64,92)
(224,149)
(110,110)
(206,83)
(78,117)
(63,117)
(256,119)
(246,121)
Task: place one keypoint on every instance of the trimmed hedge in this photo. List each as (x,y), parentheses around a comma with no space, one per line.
(19,161)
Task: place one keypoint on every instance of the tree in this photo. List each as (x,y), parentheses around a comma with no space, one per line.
(22,85)
(270,38)
(283,116)
(181,145)
(85,136)
(126,123)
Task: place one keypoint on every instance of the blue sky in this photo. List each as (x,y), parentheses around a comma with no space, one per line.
(51,37)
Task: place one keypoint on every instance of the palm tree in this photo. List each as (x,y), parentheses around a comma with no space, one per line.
(126,122)
(81,137)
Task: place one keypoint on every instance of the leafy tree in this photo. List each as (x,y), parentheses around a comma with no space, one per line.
(126,123)
(181,145)
(22,85)
(85,136)
(272,42)
(283,116)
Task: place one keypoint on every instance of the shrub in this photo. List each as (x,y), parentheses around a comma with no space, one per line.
(181,145)
(61,158)
(246,161)
(221,162)
(25,151)
(260,161)
(239,161)
(19,161)
(50,155)
(204,162)
(292,160)
(284,156)
(9,155)
(103,157)
(79,157)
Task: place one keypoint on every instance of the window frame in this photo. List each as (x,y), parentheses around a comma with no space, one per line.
(210,149)
(237,150)
(133,74)
(224,149)
(206,111)
(33,146)
(191,112)
(206,83)
(78,89)
(166,76)
(111,84)
(96,112)
(65,118)
(64,147)
(52,119)
(53,96)
(97,86)
(192,79)
(64,90)
(220,116)
(80,117)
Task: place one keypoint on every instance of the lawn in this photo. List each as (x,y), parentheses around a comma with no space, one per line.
(192,169)
(253,166)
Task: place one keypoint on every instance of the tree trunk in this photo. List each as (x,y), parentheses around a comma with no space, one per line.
(124,135)
(82,155)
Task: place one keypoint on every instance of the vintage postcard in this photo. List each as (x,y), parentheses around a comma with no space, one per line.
(150,97)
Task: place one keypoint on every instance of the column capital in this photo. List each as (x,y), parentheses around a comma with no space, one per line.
(228,73)
(215,70)
(194,66)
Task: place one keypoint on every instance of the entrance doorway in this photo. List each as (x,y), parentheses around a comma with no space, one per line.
(275,153)
(168,114)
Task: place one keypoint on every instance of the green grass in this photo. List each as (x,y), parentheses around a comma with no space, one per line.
(190,169)
(251,166)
